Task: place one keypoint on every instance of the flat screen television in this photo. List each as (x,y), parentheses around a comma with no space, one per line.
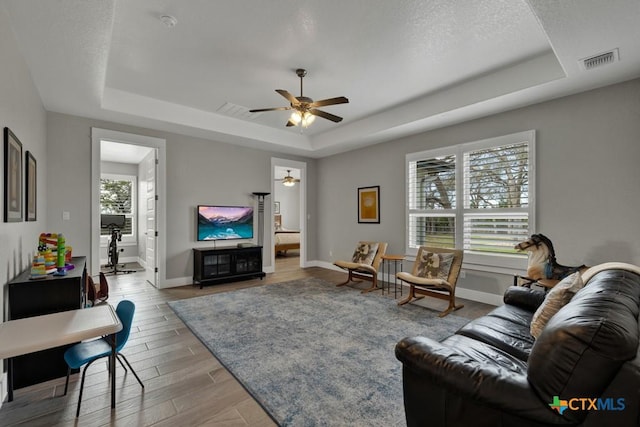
(224,222)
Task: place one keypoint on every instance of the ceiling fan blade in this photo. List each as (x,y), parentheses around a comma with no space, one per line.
(292,99)
(290,123)
(260,110)
(326,115)
(330,101)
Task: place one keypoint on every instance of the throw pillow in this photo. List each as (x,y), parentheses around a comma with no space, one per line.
(435,265)
(558,297)
(365,253)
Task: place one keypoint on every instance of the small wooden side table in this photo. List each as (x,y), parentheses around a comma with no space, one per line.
(386,261)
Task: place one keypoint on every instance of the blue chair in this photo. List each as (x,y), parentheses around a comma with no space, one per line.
(90,351)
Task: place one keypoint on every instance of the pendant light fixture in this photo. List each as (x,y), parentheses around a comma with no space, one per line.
(288,181)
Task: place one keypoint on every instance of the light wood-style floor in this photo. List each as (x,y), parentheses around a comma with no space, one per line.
(184,384)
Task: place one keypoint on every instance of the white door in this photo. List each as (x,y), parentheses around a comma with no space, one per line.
(151,225)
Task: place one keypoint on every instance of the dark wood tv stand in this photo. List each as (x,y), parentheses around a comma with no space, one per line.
(227,264)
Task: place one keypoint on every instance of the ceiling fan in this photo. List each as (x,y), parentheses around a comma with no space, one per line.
(304,108)
(288,180)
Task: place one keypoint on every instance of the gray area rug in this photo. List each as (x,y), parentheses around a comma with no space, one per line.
(313,354)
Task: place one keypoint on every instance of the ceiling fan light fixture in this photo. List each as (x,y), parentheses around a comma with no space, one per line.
(305,109)
(296,117)
(303,119)
(288,181)
(307,119)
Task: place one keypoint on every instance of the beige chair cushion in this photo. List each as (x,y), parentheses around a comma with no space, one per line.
(410,278)
(365,253)
(355,266)
(558,297)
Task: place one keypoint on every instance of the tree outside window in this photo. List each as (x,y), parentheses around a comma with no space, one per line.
(475,196)
(117,197)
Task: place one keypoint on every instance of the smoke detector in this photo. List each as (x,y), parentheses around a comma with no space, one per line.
(599,60)
(168,21)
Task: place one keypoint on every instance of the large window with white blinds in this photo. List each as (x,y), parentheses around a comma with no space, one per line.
(477,196)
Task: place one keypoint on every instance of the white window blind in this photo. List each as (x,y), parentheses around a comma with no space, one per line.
(432,192)
(476,196)
(117,197)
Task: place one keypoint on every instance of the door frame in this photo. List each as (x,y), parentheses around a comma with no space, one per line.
(98,135)
(145,205)
(302,166)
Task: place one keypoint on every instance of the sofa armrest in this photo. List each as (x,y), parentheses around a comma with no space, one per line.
(486,383)
(523,297)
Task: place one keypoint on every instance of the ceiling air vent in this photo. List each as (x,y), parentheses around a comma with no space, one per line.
(599,60)
(237,111)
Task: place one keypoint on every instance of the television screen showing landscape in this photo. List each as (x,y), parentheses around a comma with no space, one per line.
(225,222)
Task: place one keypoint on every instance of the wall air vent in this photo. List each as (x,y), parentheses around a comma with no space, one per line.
(237,111)
(599,60)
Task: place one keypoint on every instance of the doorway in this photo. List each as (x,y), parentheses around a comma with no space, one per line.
(289,211)
(142,159)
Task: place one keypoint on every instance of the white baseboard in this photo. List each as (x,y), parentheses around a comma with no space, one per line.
(324,264)
(178,281)
(483,297)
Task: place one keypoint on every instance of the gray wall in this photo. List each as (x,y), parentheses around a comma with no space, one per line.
(199,171)
(21,110)
(588,180)
(289,198)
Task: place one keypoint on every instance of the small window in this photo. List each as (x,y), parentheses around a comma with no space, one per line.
(118,197)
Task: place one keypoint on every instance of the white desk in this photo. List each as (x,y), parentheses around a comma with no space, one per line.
(37,333)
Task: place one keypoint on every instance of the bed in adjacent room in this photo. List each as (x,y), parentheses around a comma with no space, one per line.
(285,240)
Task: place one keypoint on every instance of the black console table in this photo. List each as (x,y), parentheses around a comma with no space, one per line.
(221,265)
(52,294)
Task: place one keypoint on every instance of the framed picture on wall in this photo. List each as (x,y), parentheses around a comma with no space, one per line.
(12,177)
(276,207)
(31,187)
(369,205)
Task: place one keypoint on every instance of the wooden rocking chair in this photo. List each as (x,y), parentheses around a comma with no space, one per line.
(421,286)
(358,269)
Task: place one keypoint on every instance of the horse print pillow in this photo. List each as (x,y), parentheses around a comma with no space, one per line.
(434,265)
(365,253)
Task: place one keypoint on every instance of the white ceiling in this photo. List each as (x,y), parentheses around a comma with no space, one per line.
(123,153)
(406,66)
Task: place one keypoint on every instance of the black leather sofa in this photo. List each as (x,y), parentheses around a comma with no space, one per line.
(493,373)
